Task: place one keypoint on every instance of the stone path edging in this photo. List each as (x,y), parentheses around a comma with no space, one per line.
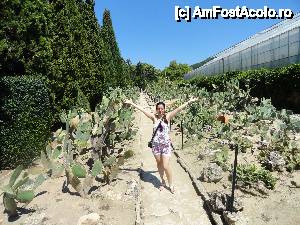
(215,218)
(138,203)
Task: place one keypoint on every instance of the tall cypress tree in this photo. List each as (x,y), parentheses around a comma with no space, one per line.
(117,76)
(66,67)
(95,54)
(79,53)
(25,42)
(63,41)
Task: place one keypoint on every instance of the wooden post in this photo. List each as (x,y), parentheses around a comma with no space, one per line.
(233,178)
(181,126)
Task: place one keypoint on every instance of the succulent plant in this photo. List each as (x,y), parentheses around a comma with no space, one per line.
(81,179)
(19,190)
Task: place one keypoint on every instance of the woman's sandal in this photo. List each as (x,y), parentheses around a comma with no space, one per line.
(162,185)
(172,189)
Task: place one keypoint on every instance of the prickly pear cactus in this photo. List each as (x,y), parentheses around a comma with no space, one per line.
(19,190)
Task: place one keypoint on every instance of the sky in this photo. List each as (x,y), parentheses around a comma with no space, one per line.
(147,31)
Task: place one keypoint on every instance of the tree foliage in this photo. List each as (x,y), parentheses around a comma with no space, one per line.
(175,71)
(117,75)
(144,73)
(62,41)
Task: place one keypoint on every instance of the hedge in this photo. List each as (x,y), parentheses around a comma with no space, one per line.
(282,85)
(24,119)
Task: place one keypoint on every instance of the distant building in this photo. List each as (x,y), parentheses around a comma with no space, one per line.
(276,46)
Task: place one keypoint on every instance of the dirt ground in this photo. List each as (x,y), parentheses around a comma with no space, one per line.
(116,203)
(280,206)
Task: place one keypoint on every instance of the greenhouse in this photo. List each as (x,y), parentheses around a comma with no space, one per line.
(274,47)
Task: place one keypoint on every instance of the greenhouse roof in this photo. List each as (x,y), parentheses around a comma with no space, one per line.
(281,27)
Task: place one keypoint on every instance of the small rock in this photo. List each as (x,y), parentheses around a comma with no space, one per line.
(212,173)
(275,161)
(235,218)
(295,183)
(90,219)
(220,201)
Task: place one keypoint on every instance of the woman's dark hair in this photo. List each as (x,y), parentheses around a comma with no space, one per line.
(164,116)
(160,103)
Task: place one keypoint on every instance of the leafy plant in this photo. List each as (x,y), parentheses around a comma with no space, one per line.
(222,157)
(19,190)
(90,137)
(250,174)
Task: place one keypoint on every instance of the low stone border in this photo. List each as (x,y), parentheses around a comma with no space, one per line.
(138,199)
(214,218)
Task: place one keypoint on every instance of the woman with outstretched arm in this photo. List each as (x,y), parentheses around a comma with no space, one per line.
(161,144)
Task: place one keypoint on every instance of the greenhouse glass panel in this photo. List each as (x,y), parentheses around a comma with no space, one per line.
(226,60)
(269,44)
(283,52)
(260,48)
(294,49)
(264,46)
(283,39)
(260,58)
(268,56)
(276,53)
(294,59)
(294,35)
(285,61)
(231,58)
(226,68)
(275,42)
(254,60)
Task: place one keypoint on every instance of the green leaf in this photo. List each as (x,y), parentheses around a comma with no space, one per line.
(97,168)
(38,181)
(25,196)
(78,171)
(20,183)
(15,175)
(57,169)
(44,160)
(48,151)
(8,190)
(110,161)
(114,172)
(56,153)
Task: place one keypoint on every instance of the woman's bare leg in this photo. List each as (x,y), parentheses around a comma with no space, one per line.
(167,169)
(160,168)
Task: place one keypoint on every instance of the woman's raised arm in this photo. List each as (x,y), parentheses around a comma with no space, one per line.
(170,115)
(148,114)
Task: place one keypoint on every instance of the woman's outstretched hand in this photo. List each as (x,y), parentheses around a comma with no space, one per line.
(193,99)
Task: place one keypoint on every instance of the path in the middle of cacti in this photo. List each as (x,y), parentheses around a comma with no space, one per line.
(184,207)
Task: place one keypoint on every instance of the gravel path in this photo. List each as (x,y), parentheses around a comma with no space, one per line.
(184,207)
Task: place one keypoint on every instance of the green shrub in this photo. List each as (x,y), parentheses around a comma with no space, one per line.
(24,119)
(250,174)
(282,84)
